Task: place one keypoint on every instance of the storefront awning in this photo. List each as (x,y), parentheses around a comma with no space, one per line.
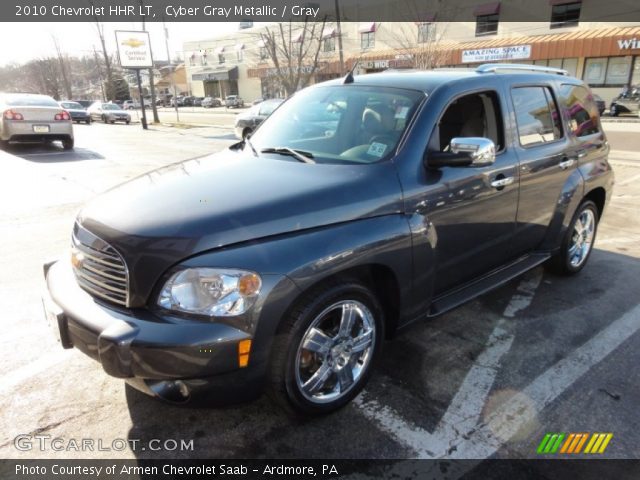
(217,74)
(367,27)
(487,9)
(328,32)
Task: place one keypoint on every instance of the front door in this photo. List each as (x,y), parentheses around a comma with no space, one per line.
(471,209)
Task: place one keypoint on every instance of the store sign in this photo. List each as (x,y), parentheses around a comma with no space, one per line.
(518,52)
(628,44)
(134,49)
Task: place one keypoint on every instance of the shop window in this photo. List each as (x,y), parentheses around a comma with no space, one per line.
(582,110)
(635,75)
(607,72)
(565,15)
(367,40)
(487,24)
(618,71)
(329,44)
(425,32)
(537,115)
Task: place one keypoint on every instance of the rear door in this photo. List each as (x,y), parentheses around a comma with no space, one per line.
(545,161)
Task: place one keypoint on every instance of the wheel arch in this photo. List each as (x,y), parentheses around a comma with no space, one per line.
(597,195)
(379,278)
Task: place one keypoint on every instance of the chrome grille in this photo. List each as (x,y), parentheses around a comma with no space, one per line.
(98,267)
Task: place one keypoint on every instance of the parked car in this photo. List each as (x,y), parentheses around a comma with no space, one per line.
(108,113)
(130,105)
(179,100)
(78,112)
(164,100)
(628,102)
(286,260)
(27,117)
(197,101)
(85,103)
(233,101)
(248,121)
(209,102)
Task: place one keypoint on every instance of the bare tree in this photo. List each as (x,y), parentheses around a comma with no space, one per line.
(64,68)
(293,49)
(420,42)
(107,60)
(43,76)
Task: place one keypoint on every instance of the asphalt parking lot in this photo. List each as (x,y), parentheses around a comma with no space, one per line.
(488,380)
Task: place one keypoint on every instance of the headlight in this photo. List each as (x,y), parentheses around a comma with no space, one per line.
(210,291)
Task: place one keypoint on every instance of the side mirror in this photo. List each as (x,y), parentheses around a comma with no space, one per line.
(464,152)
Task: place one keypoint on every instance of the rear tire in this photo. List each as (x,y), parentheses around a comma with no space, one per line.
(578,240)
(68,144)
(342,326)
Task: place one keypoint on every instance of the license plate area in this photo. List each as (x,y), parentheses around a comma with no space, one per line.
(56,319)
(41,128)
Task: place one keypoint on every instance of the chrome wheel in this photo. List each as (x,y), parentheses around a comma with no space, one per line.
(582,238)
(335,351)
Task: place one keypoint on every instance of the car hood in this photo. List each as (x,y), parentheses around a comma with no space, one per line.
(167,215)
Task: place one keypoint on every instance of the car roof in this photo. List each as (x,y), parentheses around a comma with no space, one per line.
(427,81)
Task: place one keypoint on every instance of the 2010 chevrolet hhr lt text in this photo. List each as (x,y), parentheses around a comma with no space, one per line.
(359,206)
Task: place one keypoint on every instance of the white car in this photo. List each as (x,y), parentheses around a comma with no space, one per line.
(130,105)
(27,117)
(108,113)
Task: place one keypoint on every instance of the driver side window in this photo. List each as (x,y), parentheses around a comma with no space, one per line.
(473,115)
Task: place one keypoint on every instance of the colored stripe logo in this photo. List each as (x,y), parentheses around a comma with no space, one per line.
(572,443)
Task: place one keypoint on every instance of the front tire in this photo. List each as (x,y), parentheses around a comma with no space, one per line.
(325,350)
(578,240)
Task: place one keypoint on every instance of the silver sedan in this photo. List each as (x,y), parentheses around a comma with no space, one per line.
(108,113)
(27,117)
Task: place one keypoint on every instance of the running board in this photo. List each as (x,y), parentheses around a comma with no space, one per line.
(451,300)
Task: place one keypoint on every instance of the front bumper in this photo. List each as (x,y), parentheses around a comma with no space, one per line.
(150,352)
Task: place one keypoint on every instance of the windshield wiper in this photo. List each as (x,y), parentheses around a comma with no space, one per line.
(305,157)
(248,142)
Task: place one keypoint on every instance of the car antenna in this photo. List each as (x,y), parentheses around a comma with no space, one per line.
(349,77)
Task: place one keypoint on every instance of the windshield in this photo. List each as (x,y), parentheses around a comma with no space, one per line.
(72,106)
(110,106)
(31,101)
(340,124)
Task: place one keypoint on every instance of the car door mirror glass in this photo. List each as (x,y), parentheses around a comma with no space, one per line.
(464,152)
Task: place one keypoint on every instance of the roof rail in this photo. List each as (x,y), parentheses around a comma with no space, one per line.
(494,67)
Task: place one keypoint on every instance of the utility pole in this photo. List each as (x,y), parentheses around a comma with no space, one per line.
(339,37)
(95,56)
(152,87)
(173,70)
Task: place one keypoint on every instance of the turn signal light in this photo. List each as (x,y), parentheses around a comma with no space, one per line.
(11,115)
(244,348)
(62,116)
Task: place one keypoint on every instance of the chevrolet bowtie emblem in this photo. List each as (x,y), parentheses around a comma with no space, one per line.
(133,43)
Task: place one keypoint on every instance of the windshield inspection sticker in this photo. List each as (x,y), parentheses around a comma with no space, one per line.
(377,149)
(401,112)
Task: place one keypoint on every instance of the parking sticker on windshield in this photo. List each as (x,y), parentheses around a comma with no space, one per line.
(401,113)
(377,149)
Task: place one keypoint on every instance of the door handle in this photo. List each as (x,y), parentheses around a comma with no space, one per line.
(502,182)
(566,163)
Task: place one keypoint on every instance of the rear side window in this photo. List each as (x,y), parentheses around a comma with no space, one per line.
(581,110)
(537,115)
